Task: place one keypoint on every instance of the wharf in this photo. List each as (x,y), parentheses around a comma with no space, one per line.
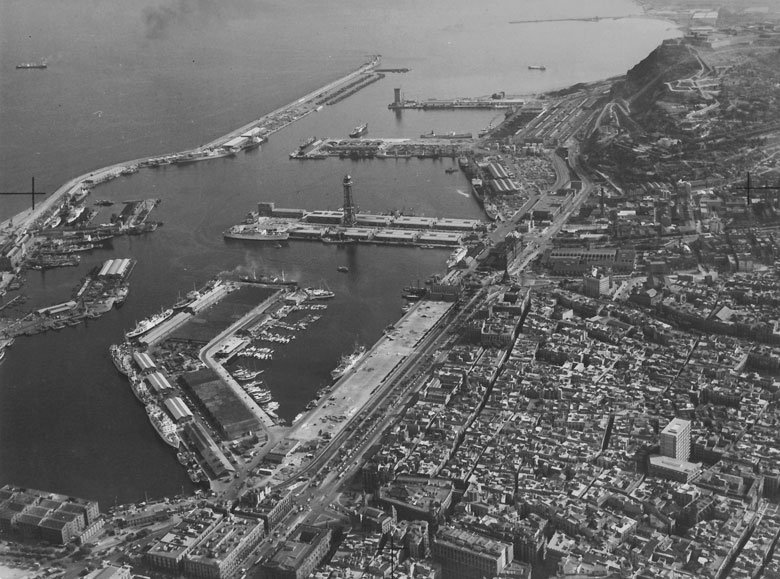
(485,103)
(327,227)
(429,147)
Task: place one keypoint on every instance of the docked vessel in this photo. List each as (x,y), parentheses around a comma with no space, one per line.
(163,425)
(348,362)
(536,67)
(359,130)
(257,234)
(120,295)
(319,293)
(149,323)
(26,65)
(450,135)
(457,256)
(269,279)
(74,214)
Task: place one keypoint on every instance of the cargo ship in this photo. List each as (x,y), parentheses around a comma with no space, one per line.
(359,130)
(149,323)
(163,425)
(28,65)
(348,362)
(252,233)
(450,135)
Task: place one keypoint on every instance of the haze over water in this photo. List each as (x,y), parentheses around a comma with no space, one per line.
(135,79)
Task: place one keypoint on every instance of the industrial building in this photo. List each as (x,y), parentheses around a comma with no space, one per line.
(220,403)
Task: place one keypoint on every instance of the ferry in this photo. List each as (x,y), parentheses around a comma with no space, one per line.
(348,362)
(359,130)
(149,323)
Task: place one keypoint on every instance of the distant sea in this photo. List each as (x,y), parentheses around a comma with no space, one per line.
(126,80)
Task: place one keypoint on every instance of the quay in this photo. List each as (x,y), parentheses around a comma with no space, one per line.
(431,146)
(495,101)
(346,225)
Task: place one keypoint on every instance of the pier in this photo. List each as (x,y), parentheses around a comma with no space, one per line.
(272,224)
(484,103)
(450,145)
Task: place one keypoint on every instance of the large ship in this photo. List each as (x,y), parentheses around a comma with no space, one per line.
(450,135)
(268,279)
(163,425)
(149,323)
(348,362)
(257,234)
(26,65)
(359,130)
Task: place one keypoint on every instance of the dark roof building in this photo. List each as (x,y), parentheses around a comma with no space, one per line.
(223,406)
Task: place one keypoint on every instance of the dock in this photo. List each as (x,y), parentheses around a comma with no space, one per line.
(446,145)
(273,224)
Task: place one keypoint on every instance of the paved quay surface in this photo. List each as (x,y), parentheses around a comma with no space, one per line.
(355,390)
